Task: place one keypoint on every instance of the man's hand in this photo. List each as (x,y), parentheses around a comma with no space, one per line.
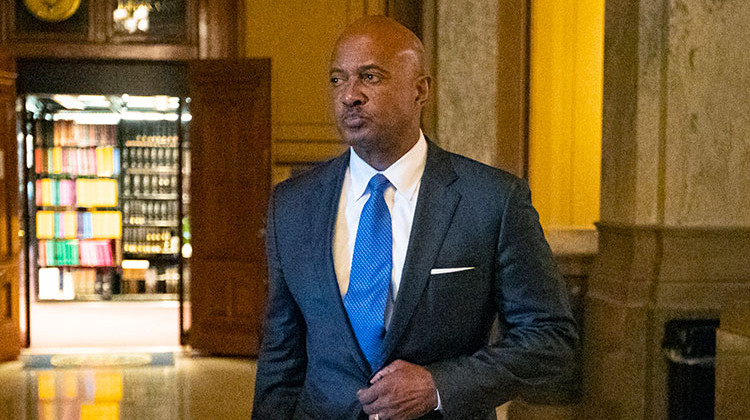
(399,391)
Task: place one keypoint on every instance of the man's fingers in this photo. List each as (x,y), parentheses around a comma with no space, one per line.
(368,395)
(374,399)
(382,372)
(378,376)
(394,366)
(402,390)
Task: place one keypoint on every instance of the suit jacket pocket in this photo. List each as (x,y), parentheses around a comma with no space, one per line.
(452,279)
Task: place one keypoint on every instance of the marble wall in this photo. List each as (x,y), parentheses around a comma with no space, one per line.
(631,111)
(733,362)
(676,131)
(675,225)
(707,144)
(466,73)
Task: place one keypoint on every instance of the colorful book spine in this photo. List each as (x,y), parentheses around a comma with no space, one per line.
(69,133)
(96,253)
(81,225)
(96,192)
(101,161)
(58,252)
(89,253)
(54,192)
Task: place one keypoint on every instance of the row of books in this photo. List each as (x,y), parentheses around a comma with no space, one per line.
(140,212)
(142,157)
(150,133)
(89,253)
(81,225)
(82,192)
(135,185)
(99,161)
(70,133)
(145,287)
(67,284)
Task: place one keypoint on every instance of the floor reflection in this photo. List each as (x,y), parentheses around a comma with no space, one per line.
(193,388)
(104,394)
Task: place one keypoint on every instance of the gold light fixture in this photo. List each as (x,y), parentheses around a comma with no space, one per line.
(52,10)
(132,15)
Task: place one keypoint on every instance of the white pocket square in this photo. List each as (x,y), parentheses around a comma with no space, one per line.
(450,270)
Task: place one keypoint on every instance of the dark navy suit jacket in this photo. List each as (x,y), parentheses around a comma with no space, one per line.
(467,215)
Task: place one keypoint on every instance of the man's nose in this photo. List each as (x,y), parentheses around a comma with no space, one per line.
(353,95)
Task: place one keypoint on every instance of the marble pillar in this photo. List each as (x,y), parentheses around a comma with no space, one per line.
(466,50)
(733,362)
(674,236)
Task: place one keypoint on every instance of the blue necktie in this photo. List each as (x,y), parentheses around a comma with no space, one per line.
(370,276)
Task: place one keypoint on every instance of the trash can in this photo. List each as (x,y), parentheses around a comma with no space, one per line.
(690,348)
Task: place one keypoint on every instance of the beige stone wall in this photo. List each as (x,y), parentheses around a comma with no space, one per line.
(733,362)
(707,144)
(676,141)
(675,229)
(631,111)
(466,74)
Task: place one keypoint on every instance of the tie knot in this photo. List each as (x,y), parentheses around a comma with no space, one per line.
(378,184)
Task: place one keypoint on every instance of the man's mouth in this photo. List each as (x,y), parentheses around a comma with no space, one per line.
(353,120)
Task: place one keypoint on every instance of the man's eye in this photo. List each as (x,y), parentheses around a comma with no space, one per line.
(335,81)
(371,78)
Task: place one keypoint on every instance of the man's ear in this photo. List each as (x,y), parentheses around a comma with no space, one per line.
(424,85)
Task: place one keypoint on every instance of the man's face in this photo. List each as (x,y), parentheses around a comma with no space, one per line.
(373,90)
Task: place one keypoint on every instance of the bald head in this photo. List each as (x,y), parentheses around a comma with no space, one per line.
(378,86)
(393,37)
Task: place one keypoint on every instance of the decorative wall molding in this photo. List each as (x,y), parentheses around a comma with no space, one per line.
(643,277)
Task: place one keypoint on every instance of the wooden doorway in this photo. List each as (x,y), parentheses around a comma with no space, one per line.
(10,339)
(231,132)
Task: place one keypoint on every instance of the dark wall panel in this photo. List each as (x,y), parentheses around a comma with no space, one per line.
(101,77)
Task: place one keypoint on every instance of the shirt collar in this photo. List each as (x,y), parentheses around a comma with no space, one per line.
(404,174)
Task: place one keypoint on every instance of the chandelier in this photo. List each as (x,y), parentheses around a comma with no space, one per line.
(132,15)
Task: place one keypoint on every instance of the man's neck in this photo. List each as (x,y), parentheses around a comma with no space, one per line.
(382,158)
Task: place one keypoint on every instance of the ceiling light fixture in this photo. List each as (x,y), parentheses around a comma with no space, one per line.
(132,15)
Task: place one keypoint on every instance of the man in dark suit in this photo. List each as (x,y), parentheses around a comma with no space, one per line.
(390,264)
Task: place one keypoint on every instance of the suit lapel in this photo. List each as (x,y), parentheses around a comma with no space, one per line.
(331,193)
(436,205)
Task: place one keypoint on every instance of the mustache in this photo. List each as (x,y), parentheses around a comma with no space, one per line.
(353,112)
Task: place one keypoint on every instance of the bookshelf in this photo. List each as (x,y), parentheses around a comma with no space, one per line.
(77,221)
(151,205)
(106,202)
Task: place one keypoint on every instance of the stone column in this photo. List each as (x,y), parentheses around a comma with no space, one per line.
(466,50)
(733,362)
(674,236)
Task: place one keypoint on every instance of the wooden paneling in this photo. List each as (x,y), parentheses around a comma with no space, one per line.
(513,86)
(230,183)
(221,27)
(95,51)
(10,340)
(227,302)
(213,29)
(10,336)
(299,38)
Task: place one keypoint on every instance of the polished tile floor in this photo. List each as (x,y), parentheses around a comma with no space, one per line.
(61,324)
(192,388)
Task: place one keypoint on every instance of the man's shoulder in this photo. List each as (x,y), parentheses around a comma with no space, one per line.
(316,173)
(475,174)
(312,180)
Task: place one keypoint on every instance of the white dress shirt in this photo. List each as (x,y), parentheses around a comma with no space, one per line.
(401,197)
(405,176)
